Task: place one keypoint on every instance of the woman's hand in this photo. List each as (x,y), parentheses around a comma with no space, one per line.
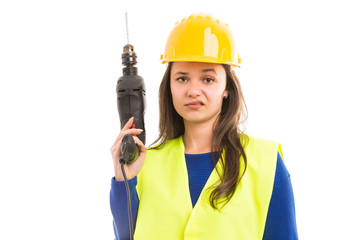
(131,169)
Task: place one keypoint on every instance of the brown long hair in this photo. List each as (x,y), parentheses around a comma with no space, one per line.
(226,133)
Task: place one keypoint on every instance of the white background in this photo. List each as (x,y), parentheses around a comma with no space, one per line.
(60,61)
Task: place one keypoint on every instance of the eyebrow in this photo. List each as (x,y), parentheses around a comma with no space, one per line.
(181,73)
(209,70)
(204,71)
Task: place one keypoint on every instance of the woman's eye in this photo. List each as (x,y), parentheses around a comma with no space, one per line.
(209,80)
(181,79)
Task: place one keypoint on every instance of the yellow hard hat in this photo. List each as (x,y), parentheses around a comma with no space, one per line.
(201,38)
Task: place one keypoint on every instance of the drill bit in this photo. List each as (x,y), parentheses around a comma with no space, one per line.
(127,29)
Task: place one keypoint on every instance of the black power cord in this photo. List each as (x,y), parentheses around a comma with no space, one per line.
(122,162)
(129,153)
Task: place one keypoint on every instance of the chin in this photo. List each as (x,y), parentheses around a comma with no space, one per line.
(195,118)
(198,116)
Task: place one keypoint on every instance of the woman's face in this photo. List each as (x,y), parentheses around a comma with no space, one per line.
(197,90)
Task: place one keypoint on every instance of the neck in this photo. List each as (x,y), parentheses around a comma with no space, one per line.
(197,137)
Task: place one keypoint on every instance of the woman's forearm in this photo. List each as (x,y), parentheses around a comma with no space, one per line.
(119,207)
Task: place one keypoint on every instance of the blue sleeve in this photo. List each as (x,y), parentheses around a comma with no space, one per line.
(119,207)
(281,221)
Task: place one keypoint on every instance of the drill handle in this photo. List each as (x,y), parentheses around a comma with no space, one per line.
(129,149)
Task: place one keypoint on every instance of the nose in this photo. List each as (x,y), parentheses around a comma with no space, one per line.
(194,89)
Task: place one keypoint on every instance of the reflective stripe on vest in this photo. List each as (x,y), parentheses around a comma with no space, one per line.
(165,207)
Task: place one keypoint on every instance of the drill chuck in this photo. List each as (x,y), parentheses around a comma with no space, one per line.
(129,60)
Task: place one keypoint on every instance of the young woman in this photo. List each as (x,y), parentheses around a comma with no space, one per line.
(205,179)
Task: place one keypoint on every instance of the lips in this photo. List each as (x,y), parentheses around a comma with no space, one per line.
(198,102)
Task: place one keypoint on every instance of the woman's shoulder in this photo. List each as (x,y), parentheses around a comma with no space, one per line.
(261,146)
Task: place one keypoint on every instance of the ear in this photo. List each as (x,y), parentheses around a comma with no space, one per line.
(225,94)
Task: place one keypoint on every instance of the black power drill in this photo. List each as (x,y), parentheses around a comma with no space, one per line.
(130,91)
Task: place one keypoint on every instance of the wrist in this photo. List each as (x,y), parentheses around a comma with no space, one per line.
(119,178)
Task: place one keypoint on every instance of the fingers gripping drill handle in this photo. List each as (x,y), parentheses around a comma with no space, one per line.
(130,91)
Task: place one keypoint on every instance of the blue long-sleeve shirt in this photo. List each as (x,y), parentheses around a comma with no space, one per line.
(280,222)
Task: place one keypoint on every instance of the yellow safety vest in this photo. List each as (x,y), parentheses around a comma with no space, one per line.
(165,207)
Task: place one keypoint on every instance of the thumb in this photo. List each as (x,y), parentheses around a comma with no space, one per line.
(140,144)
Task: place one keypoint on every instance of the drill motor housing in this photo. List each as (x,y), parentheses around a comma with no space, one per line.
(131,93)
